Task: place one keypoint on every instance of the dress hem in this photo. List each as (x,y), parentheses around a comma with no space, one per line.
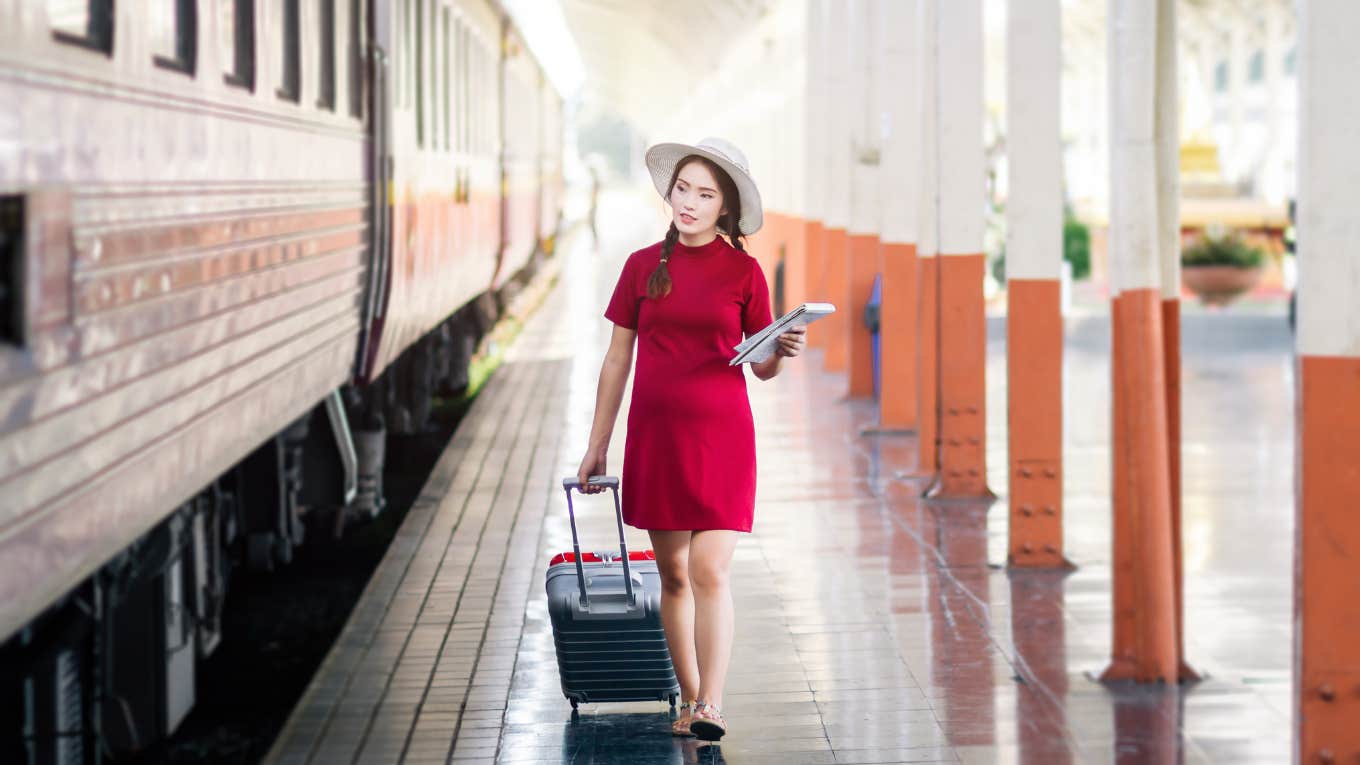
(687,528)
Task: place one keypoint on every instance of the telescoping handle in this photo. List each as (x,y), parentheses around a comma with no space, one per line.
(572,482)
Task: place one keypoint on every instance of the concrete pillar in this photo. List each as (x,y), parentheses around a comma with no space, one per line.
(928,268)
(1166,126)
(1144,641)
(1327,529)
(962,320)
(899,97)
(867,18)
(837,155)
(814,158)
(1034,324)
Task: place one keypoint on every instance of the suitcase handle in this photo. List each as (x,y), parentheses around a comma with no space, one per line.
(572,482)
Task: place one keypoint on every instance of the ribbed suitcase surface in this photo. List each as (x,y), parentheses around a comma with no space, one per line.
(607,623)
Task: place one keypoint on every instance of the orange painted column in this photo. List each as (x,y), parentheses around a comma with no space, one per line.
(1171,346)
(866,136)
(1034,324)
(1034,342)
(962,328)
(928,365)
(927,250)
(899,182)
(1327,447)
(1167,137)
(814,162)
(898,338)
(1327,575)
(1144,646)
(1166,124)
(837,281)
(864,258)
(1144,577)
(836,170)
(963,388)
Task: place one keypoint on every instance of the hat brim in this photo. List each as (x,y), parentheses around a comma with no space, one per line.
(661,161)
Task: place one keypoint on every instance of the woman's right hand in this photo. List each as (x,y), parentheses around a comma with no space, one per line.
(592,464)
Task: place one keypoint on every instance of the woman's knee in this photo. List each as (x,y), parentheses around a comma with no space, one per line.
(674,576)
(708,576)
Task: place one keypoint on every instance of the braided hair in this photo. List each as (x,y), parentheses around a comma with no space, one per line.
(659,283)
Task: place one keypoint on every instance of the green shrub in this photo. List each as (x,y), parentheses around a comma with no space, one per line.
(1077,247)
(1226,250)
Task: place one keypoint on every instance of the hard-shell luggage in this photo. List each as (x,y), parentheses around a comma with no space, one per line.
(606,618)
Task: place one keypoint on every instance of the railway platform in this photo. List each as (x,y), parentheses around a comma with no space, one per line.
(873,626)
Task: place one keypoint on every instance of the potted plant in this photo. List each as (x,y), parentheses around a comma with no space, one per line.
(1218,268)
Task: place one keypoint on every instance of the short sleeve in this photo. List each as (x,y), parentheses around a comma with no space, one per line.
(755,312)
(627,298)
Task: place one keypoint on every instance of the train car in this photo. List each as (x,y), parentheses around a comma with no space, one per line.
(242,241)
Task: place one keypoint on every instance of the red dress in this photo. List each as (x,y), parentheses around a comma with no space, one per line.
(689,461)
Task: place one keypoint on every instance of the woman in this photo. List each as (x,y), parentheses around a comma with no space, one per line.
(689,472)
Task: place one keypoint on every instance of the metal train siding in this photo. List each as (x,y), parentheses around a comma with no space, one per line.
(242,241)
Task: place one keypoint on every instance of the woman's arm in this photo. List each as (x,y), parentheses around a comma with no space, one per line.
(618,362)
(791,344)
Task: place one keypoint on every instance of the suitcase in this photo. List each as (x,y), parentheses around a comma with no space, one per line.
(606,618)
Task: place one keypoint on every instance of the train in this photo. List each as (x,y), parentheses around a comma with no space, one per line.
(242,242)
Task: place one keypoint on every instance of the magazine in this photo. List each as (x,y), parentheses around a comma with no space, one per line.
(761,345)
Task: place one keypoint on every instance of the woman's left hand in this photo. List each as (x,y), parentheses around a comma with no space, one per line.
(792,342)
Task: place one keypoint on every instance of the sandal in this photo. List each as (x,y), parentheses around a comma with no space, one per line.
(680,726)
(707,723)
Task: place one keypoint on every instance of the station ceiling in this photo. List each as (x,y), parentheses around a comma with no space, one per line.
(640,53)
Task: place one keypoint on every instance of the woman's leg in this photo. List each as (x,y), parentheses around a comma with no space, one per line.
(710,560)
(677,606)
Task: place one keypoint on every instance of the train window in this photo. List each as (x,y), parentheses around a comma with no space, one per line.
(326,50)
(475,108)
(237,22)
(173,27)
(287,73)
(11,273)
(420,72)
(461,107)
(88,23)
(356,60)
(446,91)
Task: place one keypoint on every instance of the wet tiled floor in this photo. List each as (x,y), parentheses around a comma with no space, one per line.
(872,627)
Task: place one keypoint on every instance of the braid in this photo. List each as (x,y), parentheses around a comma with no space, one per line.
(659,285)
(735,236)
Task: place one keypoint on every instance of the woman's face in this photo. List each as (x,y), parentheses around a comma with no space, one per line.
(696,203)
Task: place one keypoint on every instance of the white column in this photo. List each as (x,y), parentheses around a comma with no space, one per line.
(814,112)
(1033,142)
(1133,172)
(867,17)
(1327,527)
(838,104)
(1167,147)
(899,115)
(928,198)
(1329,180)
(963,181)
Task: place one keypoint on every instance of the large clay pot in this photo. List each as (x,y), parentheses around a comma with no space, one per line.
(1219,285)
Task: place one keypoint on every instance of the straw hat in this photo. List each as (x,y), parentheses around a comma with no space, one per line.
(663,157)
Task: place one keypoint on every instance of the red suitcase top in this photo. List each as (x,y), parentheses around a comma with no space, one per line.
(590,557)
